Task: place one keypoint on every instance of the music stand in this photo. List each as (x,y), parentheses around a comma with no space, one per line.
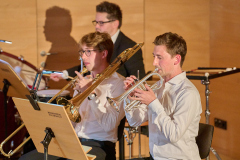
(205,74)
(12,86)
(52,119)
(10,78)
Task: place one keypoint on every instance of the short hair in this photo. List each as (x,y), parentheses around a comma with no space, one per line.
(174,43)
(99,41)
(113,10)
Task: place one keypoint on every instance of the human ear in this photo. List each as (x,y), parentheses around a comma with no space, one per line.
(104,54)
(116,23)
(177,59)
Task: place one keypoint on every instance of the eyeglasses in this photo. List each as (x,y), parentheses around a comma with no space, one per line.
(87,52)
(100,23)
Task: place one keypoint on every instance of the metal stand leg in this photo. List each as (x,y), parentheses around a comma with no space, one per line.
(207,111)
(48,137)
(121,149)
(215,153)
(139,140)
(131,131)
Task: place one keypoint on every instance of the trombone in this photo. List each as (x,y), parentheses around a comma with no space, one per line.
(10,153)
(114,102)
(70,105)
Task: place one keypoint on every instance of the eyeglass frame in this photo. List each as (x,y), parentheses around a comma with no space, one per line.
(87,52)
(101,23)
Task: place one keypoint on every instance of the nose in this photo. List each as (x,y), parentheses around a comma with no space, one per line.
(84,56)
(97,26)
(154,61)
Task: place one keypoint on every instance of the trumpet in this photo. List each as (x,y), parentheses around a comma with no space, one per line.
(114,102)
(10,153)
(70,105)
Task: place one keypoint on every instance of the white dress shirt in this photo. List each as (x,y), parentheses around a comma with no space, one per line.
(173,120)
(99,120)
(114,37)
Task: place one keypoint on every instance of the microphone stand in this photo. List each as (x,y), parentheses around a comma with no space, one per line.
(81,63)
(206,82)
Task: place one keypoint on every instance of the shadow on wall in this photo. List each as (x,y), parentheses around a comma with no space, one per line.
(57,29)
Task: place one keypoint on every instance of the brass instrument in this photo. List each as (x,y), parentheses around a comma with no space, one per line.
(10,153)
(114,102)
(70,105)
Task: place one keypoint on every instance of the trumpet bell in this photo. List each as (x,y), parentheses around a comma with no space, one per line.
(71,110)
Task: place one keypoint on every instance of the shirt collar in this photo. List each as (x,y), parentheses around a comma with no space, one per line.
(177,79)
(114,37)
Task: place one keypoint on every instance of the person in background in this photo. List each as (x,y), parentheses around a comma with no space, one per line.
(173,111)
(109,20)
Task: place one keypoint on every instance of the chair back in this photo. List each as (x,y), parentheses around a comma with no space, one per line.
(204,139)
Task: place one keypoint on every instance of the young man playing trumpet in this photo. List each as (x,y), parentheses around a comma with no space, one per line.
(173,111)
(99,123)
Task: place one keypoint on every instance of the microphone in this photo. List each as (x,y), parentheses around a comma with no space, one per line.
(4,41)
(43,53)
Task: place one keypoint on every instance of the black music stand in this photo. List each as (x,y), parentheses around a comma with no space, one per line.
(54,120)
(205,74)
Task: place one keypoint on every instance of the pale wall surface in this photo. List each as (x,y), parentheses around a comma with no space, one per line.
(211,29)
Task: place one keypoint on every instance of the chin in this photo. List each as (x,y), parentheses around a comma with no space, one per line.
(89,68)
(161,73)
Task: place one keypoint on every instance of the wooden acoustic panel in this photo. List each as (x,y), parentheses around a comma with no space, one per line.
(224,100)
(18,25)
(190,19)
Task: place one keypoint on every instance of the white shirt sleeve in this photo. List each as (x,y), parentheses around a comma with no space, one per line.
(174,125)
(137,115)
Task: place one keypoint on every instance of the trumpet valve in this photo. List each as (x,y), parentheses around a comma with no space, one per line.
(113,103)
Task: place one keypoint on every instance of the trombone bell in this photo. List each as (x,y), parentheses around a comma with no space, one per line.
(71,110)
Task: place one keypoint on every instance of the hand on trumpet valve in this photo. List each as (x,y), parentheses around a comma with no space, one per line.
(129,82)
(82,83)
(144,96)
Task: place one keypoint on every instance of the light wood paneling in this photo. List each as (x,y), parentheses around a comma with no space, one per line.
(190,19)
(225,46)
(18,24)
